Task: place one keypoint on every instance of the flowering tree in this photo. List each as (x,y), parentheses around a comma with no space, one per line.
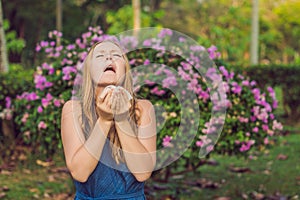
(249,122)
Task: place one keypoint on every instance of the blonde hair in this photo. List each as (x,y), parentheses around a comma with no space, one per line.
(89,116)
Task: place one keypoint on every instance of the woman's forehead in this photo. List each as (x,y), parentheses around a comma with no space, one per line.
(107,46)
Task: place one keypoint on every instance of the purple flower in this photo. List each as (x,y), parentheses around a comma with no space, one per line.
(247,145)
(132,61)
(42,125)
(24,118)
(236,88)
(147,62)
(275,104)
(204,95)
(150,83)
(224,71)
(56,103)
(32,96)
(253,83)
(164,32)
(70,47)
(147,43)
(243,119)
(265,127)
(46,101)
(38,48)
(213,54)
(40,109)
(67,72)
(41,82)
(157,92)
(245,83)
(7,102)
(266,141)
(277,125)
(44,43)
(181,39)
(209,148)
(253,118)
(255,129)
(167,141)
(199,143)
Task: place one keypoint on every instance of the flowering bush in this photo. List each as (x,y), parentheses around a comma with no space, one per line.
(249,122)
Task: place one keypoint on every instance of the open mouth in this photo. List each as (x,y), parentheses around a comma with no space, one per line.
(110,68)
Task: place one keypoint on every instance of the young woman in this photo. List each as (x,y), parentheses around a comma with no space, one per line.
(109,136)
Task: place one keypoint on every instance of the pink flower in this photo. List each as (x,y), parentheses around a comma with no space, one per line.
(150,83)
(245,83)
(56,103)
(246,145)
(270,132)
(132,61)
(7,102)
(147,62)
(265,127)
(275,104)
(209,148)
(169,81)
(164,32)
(40,109)
(255,129)
(147,43)
(266,141)
(67,72)
(277,125)
(199,143)
(243,119)
(167,141)
(42,125)
(46,101)
(25,117)
(157,92)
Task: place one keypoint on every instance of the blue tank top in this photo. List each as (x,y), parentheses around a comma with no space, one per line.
(110,180)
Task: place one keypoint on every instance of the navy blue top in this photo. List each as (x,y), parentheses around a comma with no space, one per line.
(110,180)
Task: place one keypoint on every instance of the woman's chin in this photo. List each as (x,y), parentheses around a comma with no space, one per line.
(107,82)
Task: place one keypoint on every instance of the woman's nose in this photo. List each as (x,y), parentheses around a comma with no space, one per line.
(108,57)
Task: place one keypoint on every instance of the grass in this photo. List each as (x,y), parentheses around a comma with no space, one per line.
(31,181)
(268,175)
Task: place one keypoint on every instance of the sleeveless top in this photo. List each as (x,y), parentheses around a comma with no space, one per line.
(110,180)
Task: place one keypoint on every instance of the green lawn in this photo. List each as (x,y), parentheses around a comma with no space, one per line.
(265,175)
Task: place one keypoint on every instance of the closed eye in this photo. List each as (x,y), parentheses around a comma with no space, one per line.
(117,55)
(99,55)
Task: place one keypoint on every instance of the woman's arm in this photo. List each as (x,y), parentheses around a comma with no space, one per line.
(139,152)
(81,155)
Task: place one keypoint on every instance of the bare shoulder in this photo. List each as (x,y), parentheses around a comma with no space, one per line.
(144,105)
(71,106)
(147,112)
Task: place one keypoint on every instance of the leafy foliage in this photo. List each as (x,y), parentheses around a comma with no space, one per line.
(249,122)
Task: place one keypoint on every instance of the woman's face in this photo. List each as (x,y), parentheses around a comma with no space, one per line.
(108,64)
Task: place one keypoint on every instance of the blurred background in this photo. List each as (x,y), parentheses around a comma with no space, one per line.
(258,38)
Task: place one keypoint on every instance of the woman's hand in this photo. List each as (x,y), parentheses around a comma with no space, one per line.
(103,105)
(120,104)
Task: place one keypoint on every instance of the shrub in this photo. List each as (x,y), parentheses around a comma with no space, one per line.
(249,123)
(284,76)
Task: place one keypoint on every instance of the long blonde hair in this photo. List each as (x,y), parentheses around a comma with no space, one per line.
(89,116)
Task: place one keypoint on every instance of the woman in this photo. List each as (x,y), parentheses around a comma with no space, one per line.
(109,136)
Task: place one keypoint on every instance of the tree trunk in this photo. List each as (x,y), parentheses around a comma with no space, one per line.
(254,33)
(3,52)
(58,18)
(136,5)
